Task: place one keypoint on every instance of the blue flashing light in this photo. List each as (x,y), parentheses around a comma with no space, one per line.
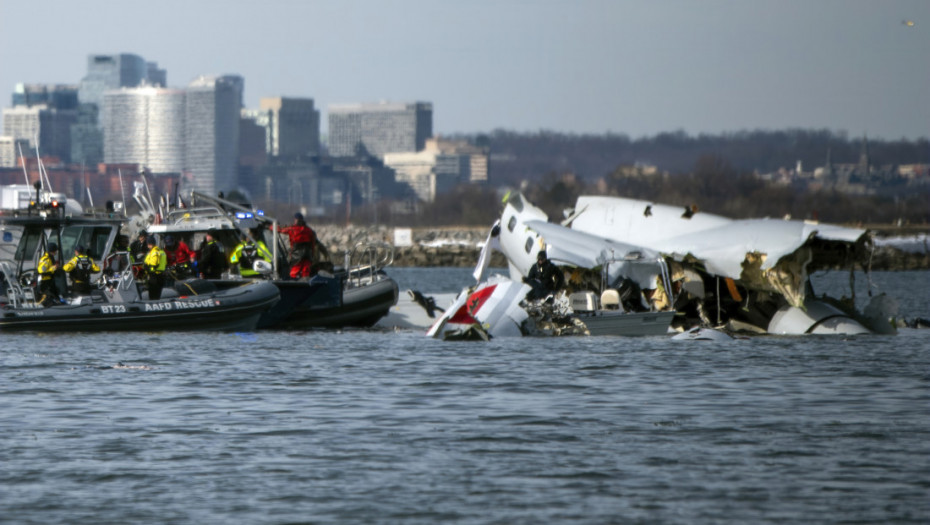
(244,215)
(260,213)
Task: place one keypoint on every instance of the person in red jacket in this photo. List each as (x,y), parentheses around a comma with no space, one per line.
(302,239)
(177,251)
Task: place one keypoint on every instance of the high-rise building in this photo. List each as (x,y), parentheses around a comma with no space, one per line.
(212,133)
(86,137)
(379,128)
(51,127)
(145,126)
(55,96)
(293,127)
(44,112)
(105,73)
(10,149)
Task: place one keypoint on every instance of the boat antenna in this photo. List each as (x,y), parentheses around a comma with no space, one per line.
(148,192)
(122,190)
(84,182)
(22,159)
(48,183)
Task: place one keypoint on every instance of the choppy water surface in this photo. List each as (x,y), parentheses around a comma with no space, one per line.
(373,427)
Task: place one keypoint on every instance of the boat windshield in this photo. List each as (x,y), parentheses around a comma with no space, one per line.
(93,238)
(28,244)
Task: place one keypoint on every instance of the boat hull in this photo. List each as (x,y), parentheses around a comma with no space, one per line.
(627,324)
(360,307)
(236,309)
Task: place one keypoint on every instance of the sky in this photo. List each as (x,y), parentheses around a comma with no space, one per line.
(576,66)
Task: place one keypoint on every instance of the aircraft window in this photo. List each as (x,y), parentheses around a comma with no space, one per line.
(512,223)
(529,244)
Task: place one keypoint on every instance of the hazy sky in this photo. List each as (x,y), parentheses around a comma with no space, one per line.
(582,66)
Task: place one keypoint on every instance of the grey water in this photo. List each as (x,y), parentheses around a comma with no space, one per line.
(365,426)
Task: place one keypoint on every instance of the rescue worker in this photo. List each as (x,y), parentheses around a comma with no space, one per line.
(245,255)
(180,257)
(138,248)
(302,239)
(49,293)
(544,277)
(155,263)
(120,244)
(212,262)
(80,267)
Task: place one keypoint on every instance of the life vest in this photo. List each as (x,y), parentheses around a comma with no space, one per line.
(156,261)
(80,268)
(46,267)
(246,260)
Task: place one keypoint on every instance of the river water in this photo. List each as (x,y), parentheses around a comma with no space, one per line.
(392,427)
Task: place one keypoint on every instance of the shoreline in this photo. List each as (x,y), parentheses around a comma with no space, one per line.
(461,246)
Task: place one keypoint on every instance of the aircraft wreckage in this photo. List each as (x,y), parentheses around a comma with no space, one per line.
(634,267)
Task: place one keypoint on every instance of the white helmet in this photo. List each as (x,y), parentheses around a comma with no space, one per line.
(263,267)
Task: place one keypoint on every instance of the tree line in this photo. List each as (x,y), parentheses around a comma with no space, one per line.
(716,173)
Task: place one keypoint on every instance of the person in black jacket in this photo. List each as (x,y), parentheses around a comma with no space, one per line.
(139,249)
(544,277)
(80,268)
(212,261)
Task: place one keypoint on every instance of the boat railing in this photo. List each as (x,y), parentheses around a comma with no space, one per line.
(120,272)
(365,260)
(183,215)
(18,294)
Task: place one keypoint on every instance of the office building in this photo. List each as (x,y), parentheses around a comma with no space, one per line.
(9,151)
(51,127)
(145,126)
(46,112)
(293,127)
(428,173)
(54,96)
(106,73)
(377,129)
(212,113)
(86,136)
(471,161)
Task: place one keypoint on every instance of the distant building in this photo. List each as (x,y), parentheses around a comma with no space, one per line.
(145,126)
(293,127)
(106,73)
(471,163)
(378,129)
(212,133)
(51,127)
(86,136)
(54,96)
(9,150)
(252,140)
(428,173)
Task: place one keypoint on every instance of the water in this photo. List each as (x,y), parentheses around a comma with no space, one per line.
(372,427)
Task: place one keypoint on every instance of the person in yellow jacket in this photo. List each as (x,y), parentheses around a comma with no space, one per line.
(79,268)
(155,263)
(49,293)
(245,255)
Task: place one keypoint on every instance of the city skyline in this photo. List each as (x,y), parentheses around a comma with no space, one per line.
(578,67)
